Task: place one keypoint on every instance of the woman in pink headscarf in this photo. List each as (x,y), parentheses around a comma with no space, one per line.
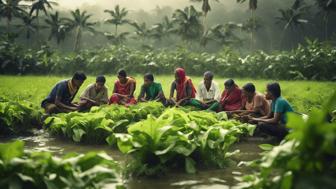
(184,87)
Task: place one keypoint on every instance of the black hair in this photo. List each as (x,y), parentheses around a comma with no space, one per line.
(100,79)
(79,76)
(229,83)
(122,73)
(275,89)
(149,76)
(249,87)
(209,74)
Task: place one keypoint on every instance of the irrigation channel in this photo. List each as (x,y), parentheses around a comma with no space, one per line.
(40,140)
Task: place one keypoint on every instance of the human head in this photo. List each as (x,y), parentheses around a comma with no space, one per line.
(179,74)
(273,91)
(249,90)
(78,79)
(148,78)
(122,76)
(208,76)
(100,82)
(229,84)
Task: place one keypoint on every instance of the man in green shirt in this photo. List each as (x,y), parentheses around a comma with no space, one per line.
(150,90)
(275,122)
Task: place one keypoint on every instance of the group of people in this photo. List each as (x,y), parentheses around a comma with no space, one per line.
(267,111)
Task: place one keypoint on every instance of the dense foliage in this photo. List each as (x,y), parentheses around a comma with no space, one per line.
(315,61)
(306,159)
(19,169)
(95,126)
(17,117)
(180,139)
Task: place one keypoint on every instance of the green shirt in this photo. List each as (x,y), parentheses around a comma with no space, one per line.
(282,106)
(150,92)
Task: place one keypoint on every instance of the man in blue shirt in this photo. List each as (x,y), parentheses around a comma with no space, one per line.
(60,98)
(275,122)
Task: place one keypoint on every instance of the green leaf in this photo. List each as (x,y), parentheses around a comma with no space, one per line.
(190,165)
(266,147)
(78,133)
(8,151)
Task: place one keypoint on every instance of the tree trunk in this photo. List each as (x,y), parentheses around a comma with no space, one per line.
(252,29)
(78,38)
(326,26)
(8,25)
(116,30)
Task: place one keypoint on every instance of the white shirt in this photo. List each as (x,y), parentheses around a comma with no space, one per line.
(204,95)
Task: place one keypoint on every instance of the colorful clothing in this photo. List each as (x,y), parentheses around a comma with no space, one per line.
(100,97)
(184,87)
(64,91)
(151,92)
(258,100)
(282,106)
(123,89)
(231,100)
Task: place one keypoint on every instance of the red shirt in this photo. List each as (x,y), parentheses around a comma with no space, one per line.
(231,100)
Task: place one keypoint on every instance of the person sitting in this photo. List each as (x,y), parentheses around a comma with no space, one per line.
(123,91)
(185,90)
(253,103)
(61,96)
(150,90)
(231,98)
(95,94)
(274,123)
(208,91)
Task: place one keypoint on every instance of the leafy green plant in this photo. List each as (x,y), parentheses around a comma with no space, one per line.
(178,138)
(314,61)
(18,117)
(95,126)
(306,159)
(19,169)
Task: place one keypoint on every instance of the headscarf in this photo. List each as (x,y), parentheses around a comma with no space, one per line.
(181,84)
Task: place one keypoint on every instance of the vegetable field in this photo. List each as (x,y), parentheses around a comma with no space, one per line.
(153,146)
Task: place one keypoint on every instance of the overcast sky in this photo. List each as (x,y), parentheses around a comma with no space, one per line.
(135,4)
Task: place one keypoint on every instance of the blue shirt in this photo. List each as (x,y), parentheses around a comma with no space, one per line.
(280,105)
(60,90)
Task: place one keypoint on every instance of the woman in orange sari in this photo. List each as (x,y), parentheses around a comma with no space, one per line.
(185,90)
(123,91)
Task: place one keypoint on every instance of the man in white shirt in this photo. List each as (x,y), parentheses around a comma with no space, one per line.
(208,91)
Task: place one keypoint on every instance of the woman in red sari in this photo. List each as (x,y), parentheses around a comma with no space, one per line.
(185,90)
(231,99)
(123,91)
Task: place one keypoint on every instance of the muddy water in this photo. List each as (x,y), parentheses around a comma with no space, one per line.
(205,178)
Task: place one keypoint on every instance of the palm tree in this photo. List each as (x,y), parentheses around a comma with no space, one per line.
(58,27)
(29,26)
(188,24)
(118,17)
(38,6)
(117,39)
(253,5)
(326,6)
(222,34)
(141,30)
(10,9)
(79,23)
(161,30)
(205,9)
(293,17)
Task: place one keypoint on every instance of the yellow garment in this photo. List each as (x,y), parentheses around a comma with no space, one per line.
(72,88)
